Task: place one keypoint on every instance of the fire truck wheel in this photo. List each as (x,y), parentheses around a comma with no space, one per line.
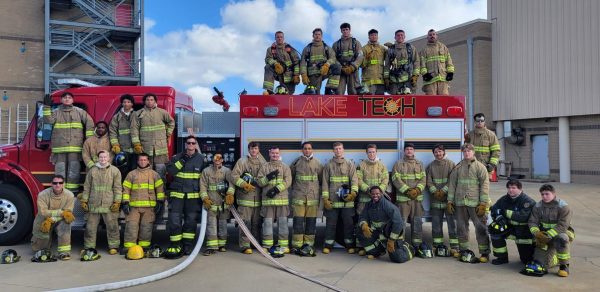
(16,215)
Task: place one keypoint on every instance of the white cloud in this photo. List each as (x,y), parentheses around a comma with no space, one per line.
(358,3)
(257,16)
(203,102)
(298,18)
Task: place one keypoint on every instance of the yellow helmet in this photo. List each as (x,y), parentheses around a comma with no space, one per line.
(135,252)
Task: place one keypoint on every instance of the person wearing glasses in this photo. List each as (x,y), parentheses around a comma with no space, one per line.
(184,198)
(487,147)
(55,214)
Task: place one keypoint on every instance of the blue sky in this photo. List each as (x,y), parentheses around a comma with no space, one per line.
(195,45)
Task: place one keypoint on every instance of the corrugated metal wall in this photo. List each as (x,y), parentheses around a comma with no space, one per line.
(546,58)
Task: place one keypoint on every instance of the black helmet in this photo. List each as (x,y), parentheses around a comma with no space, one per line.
(534,268)
(404,252)
(499,227)
(442,251)
(310,90)
(276,251)
(424,251)
(89,254)
(222,187)
(120,159)
(43,256)
(281,90)
(247,177)
(155,251)
(306,251)
(343,191)
(10,256)
(468,256)
(173,252)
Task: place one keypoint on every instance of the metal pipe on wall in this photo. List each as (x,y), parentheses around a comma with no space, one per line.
(564,150)
(470,82)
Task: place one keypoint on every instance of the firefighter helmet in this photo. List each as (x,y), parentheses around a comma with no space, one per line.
(534,268)
(468,256)
(155,251)
(222,187)
(276,251)
(442,251)
(281,90)
(135,252)
(43,256)
(306,251)
(404,252)
(343,191)
(424,251)
(173,252)
(10,256)
(247,177)
(121,159)
(89,254)
(499,227)
(310,90)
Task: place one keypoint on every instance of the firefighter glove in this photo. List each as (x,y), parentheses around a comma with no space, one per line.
(272,175)
(116,148)
(137,148)
(207,202)
(348,70)
(481,209)
(427,77)
(449,76)
(296,79)
(84,206)
(184,159)
(489,167)
(350,197)
(413,80)
(440,195)
(328,204)
(450,208)
(158,208)
(278,68)
(125,207)
(273,192)
(46,225)
(305,79)
(413,193)
(229,199)
(325,69)
(366,230)
(248,187)
(47,100)
(115,207)
(388,44)
(68,216)
(391,245)
(542,238)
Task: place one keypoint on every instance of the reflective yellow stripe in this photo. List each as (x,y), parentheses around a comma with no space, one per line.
(339,179)
(142,204)
(63,248)
(188,175)
(343,205)
(177,237)
(66,149)
(275,202)
(68,125)
(188,235)
(183,195)
(306,177)
(160,127)
(248,203)
(124,131)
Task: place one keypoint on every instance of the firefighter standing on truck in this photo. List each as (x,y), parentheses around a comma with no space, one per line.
(437,173)
(248,194)
(151,128)
(101,199)
(55,213)
(349,55)
(550,224)
(70,127)
(306,173)
(216,193)
(184,198)
(487,147)
(437,68)
(375,74)
(370,172)
(403,62)
(275,178)
(339,189)
(282,64)
(94,144)
(120,132)
(468,198)
(510,214)
(318,62)
(143,200)
(409,178)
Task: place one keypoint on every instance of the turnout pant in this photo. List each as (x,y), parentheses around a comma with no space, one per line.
(69,166)
(437,227)
(270,76)
(463,214)
(558,248)
(436,88)
(333,78)
(251,217)
(350,81)
(112,229)
(269,214)
(216,229)
(41,241)
(413,209)
(305,225)
(183,219)
(332,216)
(138,227)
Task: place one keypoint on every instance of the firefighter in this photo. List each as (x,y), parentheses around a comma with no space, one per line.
(101,199)
(550,224)
(306,173)
(349,55)
(437,173)
(370,172)
(380,227)
(512,211)
(71,126)
(339,189)
(375,74)
(468,196)
(55,213)
(409,178)
(487,147)
(248,194)
(184,198)
(403,62)
(217,195)
(317,63)
(120,131)
(437,68)
(151,128)
(275,177)
(282,64)
(143,200)
(95,144)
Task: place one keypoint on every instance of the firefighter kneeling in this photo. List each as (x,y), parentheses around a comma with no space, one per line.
(380,229)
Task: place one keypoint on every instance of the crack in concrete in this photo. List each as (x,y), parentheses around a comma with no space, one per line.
(348,271)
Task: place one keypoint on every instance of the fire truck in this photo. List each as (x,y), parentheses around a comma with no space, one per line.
(282,120)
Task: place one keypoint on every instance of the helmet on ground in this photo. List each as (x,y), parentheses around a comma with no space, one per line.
(222,187)
(499,227)
(10,256)
(135,252)
(121,159)
(310,90)
(306,251)
(155,251)
(89,254)
(281,90)
(43,256)
(534,268)
(404,252)
(442,251)
(276,251)
(343,191)
(468,256)
(173,252)
(424,251)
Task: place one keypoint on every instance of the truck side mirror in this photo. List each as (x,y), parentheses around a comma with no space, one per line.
(43,131)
